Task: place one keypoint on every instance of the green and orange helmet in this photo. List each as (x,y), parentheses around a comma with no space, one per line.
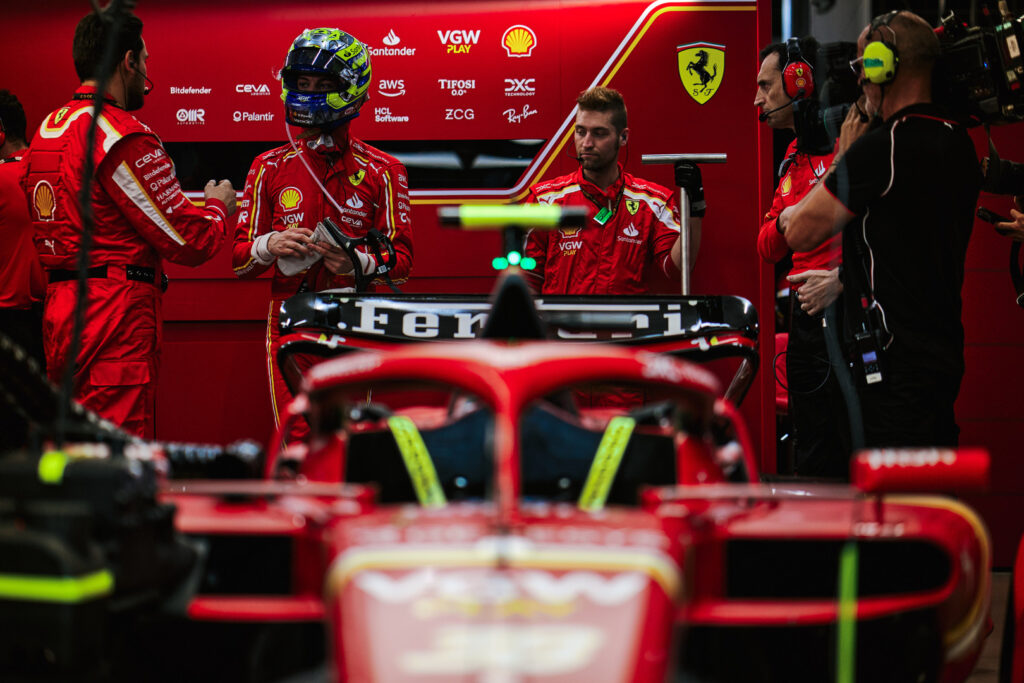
(325,52)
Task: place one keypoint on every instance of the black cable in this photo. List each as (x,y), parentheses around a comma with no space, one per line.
(846,387)
(113,17)
(808,392)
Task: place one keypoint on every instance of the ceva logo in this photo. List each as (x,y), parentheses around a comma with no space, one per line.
(252,89)
(458,41)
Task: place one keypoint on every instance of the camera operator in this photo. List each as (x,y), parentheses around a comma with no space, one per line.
(902,190)
(821,445)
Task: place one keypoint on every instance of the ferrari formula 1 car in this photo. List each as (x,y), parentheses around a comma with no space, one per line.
(507,511)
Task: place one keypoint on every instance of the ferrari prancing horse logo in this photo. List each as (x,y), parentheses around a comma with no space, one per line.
(701,69)
(632,205)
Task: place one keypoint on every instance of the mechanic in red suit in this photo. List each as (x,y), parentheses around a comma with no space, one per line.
(631,236)
(326,173)
(22,283)
(822,444)
(141,217)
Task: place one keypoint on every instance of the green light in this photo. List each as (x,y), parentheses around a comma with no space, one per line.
(514,258)
(528,263)
(499,263)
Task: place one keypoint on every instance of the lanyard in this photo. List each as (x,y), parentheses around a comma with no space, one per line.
(605,212)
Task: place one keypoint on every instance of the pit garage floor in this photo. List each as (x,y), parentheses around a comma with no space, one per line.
(987,670)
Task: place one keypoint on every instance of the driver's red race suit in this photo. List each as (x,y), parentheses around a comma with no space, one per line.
(371,188)
(140,216)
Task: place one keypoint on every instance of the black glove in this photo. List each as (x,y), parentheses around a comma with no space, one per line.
(688,178)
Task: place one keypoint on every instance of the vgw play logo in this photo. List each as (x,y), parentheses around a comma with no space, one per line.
(458,42)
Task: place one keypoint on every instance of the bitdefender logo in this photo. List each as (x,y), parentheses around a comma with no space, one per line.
(458,42)
(190,90)
(191,117)
(391,48)
(254,89)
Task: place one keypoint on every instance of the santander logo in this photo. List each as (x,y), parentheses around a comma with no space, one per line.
(391,39)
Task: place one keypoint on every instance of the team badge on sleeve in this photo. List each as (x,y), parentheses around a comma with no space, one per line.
(701,69)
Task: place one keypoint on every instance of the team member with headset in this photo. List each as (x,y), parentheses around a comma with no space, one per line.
(136,227)
(821,444)
(902,190)
(327,173)
(631,236)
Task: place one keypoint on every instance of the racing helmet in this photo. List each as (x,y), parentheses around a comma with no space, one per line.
(325,52)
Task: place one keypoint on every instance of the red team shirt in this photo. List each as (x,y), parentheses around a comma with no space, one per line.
(800,178)
(619,257)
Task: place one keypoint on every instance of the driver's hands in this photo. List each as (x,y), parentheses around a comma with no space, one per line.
(290,242)
(222,191)
(335,258)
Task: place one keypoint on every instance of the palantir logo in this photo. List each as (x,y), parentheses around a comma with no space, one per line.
(191,117)
(391,39)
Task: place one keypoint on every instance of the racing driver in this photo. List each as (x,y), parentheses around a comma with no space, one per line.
(326,173)
(140,215)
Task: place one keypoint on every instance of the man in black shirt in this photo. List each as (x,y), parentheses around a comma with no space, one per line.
(902,190)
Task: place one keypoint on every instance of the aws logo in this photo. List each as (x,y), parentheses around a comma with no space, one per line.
(290,198)
(458,42)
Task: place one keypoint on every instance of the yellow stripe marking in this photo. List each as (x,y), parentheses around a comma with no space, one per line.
(417,462)
(606,463)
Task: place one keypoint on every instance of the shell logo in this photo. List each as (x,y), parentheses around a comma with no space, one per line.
(290,198)
(787,185)
(43,201)
(519,41)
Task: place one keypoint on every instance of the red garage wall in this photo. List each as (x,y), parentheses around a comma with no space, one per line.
(213,386)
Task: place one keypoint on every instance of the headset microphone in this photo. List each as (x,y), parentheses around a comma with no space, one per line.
(149,86)
(763,116)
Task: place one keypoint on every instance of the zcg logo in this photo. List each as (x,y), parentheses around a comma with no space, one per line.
(459,114)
